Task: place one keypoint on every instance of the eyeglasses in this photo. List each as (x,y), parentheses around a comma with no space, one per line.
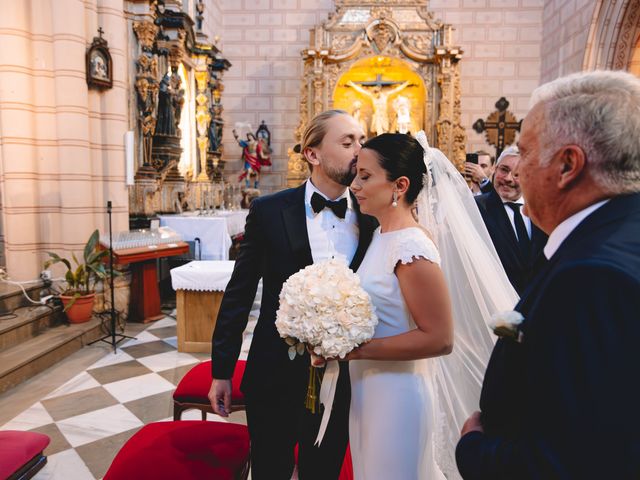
(504,170)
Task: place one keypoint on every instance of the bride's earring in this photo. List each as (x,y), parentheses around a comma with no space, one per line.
(395,199)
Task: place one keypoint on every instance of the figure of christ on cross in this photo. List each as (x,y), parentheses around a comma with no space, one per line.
(379,99)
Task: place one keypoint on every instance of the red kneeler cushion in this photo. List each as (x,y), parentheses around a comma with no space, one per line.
(18,448)
(194,386)
(186,449)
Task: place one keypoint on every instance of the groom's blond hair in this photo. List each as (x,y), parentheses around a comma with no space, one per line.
(317,129)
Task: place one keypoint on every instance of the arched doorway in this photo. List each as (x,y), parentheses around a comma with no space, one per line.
(634,64)
(614,37)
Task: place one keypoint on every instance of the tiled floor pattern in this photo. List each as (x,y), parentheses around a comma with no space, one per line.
(91,416)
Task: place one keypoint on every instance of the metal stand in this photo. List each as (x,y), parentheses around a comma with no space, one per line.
(110,338)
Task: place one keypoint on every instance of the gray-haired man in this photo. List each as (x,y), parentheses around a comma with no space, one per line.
(563,402)
(517,240)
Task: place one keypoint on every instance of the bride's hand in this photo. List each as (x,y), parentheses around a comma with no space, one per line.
(316,360)
(355,354)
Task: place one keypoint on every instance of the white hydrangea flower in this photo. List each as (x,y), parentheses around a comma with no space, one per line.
(325,307)
(507,324)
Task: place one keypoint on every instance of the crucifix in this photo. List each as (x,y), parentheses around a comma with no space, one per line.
(378,82)
(378,97)
(100,31)
(500,127)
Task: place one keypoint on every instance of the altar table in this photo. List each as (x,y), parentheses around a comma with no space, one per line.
(199,289)
(214,231)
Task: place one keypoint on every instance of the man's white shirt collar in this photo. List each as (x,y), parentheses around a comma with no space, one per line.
(519,201)
(310,189)
(562,231)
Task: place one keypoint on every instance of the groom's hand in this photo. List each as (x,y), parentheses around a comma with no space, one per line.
(472,424)
(220,396)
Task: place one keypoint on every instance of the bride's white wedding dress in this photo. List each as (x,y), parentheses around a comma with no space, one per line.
(406,416)
(392,416)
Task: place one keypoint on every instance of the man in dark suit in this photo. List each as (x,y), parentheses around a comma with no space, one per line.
(480,173)
(563,402)
(284,233)
(517,240)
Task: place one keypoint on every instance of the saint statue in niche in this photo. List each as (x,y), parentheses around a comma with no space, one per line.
(166,123)
(255,155)
(357,114)
(402,107)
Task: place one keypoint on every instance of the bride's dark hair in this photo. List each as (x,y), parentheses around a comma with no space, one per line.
(400,155)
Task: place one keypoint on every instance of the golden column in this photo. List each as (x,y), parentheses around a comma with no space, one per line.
(451,135)
(203,117)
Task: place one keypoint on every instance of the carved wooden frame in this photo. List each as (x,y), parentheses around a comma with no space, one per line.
(99,49)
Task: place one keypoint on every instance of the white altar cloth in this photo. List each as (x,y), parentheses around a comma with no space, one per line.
(214,231)
(203,276)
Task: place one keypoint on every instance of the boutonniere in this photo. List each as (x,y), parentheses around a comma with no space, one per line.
(507,325)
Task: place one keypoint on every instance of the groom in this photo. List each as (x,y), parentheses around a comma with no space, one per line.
(563,402)
(284,233)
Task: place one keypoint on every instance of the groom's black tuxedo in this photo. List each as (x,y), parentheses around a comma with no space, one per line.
(275,246)
(504,239)
(565,402)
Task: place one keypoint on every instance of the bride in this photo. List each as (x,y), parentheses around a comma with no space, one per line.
(434,281)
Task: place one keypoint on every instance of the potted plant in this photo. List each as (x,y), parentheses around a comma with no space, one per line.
(79,294)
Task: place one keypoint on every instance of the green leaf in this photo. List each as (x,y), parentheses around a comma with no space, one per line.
(70,279)
(55,258)
(91,245)
(75,297)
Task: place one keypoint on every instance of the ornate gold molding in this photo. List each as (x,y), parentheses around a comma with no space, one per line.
(402,30)
(203,117)
(146,32)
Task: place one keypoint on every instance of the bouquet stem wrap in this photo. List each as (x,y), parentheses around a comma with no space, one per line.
(315,378)
(327,393)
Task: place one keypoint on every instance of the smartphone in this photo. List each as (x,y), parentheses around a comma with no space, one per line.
(472,158)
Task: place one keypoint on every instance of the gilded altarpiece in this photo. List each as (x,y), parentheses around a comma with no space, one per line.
(178,112)
(390,64)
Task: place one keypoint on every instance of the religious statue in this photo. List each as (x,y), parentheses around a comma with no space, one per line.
(357,114)
(166,123)
(255,155)
(178,99)
(215,129)
(200,15)
(402,106)
(379,98)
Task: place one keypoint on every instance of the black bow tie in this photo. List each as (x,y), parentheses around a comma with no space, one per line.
(318,203)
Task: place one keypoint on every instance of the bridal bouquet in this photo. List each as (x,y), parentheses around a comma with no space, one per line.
(323,308)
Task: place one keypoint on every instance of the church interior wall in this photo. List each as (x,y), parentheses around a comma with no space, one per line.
(61,144)
(568,31)
(263,39)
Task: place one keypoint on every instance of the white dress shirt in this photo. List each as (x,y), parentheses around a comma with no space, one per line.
(562,231)
(330,236)
(510,214)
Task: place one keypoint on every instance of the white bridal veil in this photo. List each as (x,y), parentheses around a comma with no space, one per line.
(479,287)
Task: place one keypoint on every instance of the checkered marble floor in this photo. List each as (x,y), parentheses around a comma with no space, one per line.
(92,415)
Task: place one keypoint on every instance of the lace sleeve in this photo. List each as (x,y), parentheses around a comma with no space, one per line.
(411,244)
